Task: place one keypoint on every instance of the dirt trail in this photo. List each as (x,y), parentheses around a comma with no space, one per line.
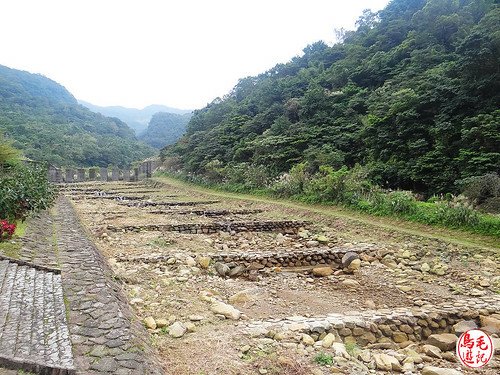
(244,300)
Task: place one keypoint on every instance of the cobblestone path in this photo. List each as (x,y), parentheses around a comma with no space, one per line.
(33,329)
(105,336)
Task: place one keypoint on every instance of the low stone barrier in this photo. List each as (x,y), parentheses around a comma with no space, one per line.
(378,328)
(110,197)
(208,213)
(198,228)
(289,257)
(172,204)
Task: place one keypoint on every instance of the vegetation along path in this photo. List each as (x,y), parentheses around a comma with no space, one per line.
(229,284)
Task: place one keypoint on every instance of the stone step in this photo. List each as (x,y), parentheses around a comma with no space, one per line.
(34,334)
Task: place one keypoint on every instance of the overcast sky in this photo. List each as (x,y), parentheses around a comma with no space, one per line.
(178,53)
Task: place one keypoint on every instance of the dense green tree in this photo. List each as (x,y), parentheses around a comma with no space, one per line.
(412,94)
(41,118)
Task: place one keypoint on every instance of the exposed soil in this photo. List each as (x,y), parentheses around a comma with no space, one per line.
(171,289)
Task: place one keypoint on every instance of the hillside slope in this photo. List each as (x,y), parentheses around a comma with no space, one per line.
(412,95)
(46,122)
(137,119)
(165,129)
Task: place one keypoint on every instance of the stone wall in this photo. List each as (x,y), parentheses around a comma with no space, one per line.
(288,258)
(253,226)
(379,328)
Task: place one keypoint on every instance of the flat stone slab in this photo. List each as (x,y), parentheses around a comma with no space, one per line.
(34,334)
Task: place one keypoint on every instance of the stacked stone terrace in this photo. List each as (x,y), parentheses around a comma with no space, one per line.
(377,328)
(196,228)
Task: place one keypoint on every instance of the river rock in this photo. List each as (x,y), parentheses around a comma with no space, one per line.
(490,324)
(221,268)
(244,296)
(150,322)
(237,271)
(322,271)
(350,283)
(348,258)
(444,341)
(432,351)
(464,325)
(160,323)
(328,340)
(322,239)
(386,362)
(433,370)
(228,311)
(425,267)
(204,262)
(177,330)
(307,340)
(355,265)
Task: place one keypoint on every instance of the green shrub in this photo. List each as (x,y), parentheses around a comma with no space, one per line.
(456,214)
(24,189)
(323,359)
(481,188)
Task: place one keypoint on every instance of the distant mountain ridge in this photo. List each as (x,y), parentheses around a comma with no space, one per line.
(45,121)
(137,119)
(165,128)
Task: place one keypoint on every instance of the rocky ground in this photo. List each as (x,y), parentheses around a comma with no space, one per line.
(388,306)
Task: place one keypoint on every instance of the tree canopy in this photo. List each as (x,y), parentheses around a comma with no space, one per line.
(43,120)
(165,128)
(413,94)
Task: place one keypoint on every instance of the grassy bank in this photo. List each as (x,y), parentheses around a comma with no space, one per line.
(459,236)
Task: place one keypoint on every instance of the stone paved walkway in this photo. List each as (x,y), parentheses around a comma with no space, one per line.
(33,329)
(106,337)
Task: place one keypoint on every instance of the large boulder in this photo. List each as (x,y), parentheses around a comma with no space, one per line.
(237,271)
(348,258)
(464,325)
(444,341)
(490,324)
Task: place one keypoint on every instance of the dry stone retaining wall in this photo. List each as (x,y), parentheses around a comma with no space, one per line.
(376,328)
(209,213)
(173,204)
(288,258)
(254,226)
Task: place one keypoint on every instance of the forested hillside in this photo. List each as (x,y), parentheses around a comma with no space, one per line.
(137,119)
(45,121)
(413,95)
(165,128)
